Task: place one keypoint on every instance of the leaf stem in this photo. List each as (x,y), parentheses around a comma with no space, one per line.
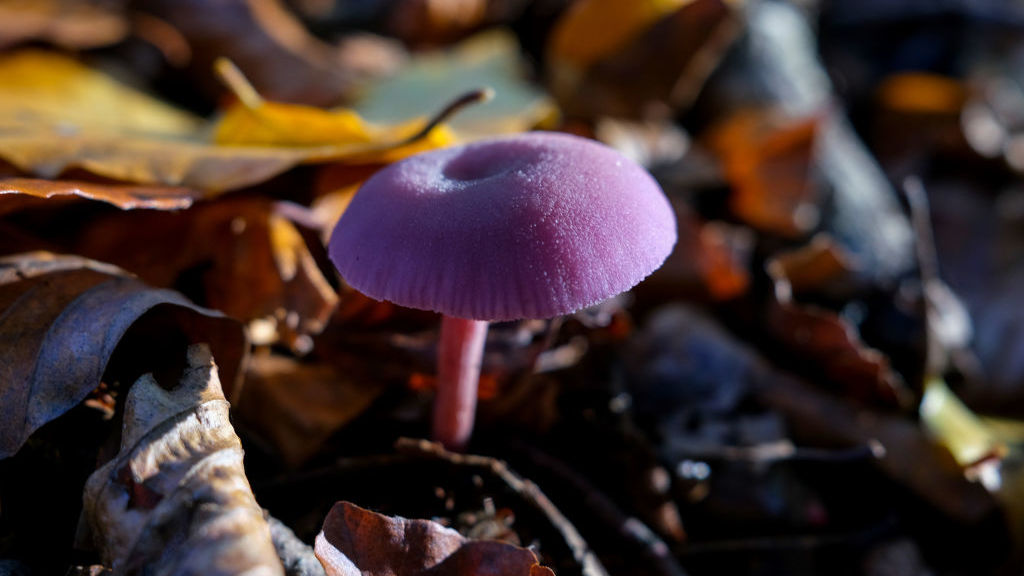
(239,85)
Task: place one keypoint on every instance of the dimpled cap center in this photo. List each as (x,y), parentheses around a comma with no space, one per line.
(528,226)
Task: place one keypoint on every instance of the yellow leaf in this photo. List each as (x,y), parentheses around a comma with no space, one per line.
(48,89)
(966,435)
(57,115)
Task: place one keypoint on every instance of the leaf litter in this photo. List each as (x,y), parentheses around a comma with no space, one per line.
(800,387)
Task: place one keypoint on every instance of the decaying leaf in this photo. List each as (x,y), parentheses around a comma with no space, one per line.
(61,320)
(637,59)
(238,255)
(16,193)
(767,161)
(176,500)
(430,81)
(358,542)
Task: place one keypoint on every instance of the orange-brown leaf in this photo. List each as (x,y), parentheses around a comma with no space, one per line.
(358,542)
(16,192)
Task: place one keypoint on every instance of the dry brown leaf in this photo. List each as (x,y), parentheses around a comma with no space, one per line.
(297,406)
(767,161)
(815,267)
(16,193)
(176,500)
(52,91)
(428,22)
(829,346)
(61,320)
(239,255)
(358,542)
(637,59)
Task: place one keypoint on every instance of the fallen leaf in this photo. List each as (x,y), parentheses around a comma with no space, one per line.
(239,255)
(296,406)
(71,24)
(263,37)
(827,346)
(433,22)
(64,317)
(252,121)
(637,59)
(818,266)
(47,90)
(431,80)
(79,118)
(358,542)
(710,261)
(176,500)
(767,160)
(18,192)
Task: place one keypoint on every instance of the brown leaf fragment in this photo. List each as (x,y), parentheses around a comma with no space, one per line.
(296,405)
(240,255)
(637,59)
(815,267)
(199,516)
(61,320)
(831,348)
(767,159)
(17,192)
(710,260)
(287,63)
(358,542)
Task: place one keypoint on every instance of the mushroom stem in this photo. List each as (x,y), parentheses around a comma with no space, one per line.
(458,374)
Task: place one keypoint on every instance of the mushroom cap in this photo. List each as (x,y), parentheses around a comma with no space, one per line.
(527,226)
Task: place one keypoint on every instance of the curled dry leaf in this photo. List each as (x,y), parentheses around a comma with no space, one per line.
(17,193)
(176,500)
(239,255)
(61,320)
(358,542)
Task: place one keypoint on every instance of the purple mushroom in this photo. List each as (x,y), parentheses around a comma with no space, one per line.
(528,226)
